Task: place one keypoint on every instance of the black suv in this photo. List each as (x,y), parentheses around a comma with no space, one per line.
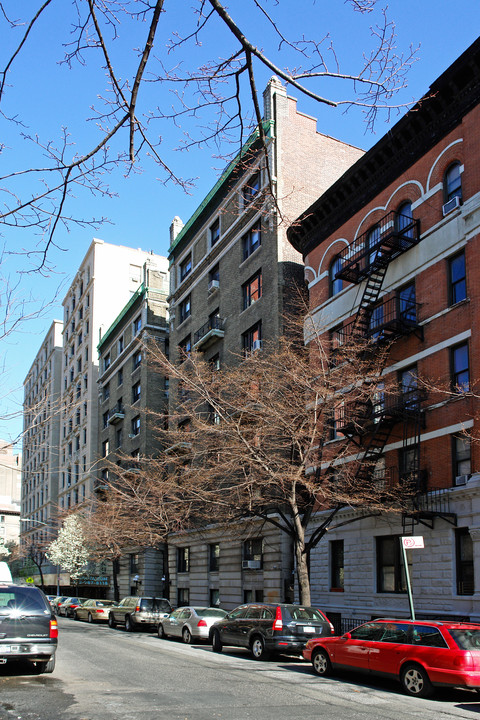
(266,628)
(28,628)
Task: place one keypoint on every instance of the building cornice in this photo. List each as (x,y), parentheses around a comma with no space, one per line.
(443,108)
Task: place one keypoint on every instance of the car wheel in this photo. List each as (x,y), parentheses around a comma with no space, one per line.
(44,666)
(75,616)
(216,642)
(89,618)
(186,636)
(111,621)
(321,662)
(257,646)
(415,681)
(161,632)
(129,624)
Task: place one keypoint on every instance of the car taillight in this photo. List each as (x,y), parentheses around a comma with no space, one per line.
(278,624)
(327,620)
(99,610)
(53,629)
(465,660)
(202,623)
(137,609)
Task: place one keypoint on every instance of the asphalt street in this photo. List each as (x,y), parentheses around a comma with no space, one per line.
(105,674)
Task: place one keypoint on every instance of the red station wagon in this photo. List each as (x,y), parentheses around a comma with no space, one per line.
(421,654)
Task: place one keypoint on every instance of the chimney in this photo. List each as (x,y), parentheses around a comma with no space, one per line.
(175,228)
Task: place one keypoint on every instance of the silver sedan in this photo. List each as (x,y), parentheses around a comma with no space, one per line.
(189,623)
(93,610)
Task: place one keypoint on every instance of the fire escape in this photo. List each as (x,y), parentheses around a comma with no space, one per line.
(370,424)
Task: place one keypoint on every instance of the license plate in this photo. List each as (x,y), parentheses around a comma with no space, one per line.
(309,629)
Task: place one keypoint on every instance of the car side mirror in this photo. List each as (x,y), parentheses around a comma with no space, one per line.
(347,636)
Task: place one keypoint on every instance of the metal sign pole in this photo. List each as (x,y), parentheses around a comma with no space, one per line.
(409,587)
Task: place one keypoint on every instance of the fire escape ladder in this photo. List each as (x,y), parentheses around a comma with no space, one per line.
(369,261)
(374,449)
(426,504)
(371,293)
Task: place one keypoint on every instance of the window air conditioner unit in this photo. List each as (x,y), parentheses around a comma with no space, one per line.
(251,564)
(462,479)
(213,285)
(257,345)
(452,204)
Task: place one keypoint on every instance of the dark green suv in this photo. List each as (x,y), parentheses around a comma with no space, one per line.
(28,628)
(267,628)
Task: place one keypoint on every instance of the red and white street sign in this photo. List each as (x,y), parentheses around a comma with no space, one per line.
(412,542)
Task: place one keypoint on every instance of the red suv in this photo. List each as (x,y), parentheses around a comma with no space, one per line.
(421,654)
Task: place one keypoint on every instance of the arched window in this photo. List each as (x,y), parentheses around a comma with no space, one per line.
(404,219)
(452,184)
(335,284)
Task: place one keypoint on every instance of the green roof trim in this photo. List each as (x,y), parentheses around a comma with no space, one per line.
(267,127)
(138,293)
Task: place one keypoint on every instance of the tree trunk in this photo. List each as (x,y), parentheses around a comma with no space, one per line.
(115,572)
(302,572)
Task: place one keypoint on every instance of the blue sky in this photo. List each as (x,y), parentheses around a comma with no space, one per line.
(48,96)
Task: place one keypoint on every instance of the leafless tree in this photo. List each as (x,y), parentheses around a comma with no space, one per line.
(212,101)
(261,439)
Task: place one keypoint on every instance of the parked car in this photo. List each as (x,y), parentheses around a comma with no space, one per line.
(93,610)
(420,654)
(51,599)
(56,602)
(136,611)
(29,628)
(189,623)
(67,607)
(266,628)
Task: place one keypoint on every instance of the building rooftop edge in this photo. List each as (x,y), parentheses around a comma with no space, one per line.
(267,126)
(450,97)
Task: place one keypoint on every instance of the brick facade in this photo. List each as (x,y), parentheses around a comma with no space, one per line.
(399,169)
(210,275)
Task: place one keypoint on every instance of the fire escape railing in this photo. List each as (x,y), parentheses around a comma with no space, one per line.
(393,318)
(395,235)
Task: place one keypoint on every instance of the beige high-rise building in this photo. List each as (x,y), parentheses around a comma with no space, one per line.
(41,423)
(61,390)
(10,487)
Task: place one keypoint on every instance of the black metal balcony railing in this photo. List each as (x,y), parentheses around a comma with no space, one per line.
(361,415)
(395,317)
(209,332)
(414,482)
(394,235)
(408,399)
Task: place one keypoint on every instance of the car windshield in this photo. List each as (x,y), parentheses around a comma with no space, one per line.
(466,638)
(305,613)
(20,598)
(155,605)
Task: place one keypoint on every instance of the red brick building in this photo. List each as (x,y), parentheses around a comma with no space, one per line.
(392,251)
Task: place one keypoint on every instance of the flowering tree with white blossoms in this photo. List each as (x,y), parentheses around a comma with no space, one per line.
(69,549)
